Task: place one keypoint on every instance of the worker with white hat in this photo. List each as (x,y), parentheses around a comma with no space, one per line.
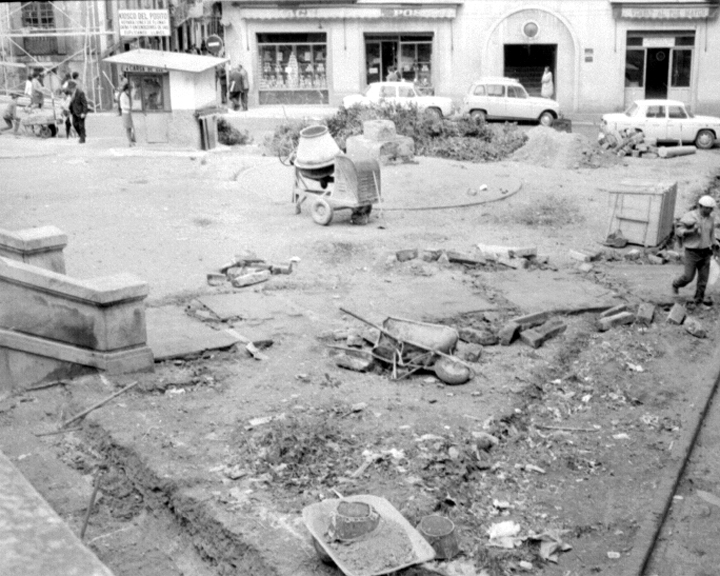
(696,231)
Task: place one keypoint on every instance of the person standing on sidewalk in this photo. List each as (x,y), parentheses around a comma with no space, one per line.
(78,109)
(234,81)
(696,230)
(126,113)
(244,87)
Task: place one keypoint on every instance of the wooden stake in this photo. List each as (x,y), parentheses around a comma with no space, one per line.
(99,404)
(96,487)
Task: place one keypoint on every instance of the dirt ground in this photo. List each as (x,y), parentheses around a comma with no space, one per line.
(590,427)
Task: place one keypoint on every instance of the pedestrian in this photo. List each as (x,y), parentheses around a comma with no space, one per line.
(696,231)
(65,106)
(239,86)
(548,88)
(37,97)
(244,87)
(76,78)
(78,109)
(28,85)
(126,113)
(11,116)
(392,75)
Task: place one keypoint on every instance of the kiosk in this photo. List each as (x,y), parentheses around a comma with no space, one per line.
(175,96)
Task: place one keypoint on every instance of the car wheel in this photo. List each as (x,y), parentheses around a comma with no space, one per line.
(546,119)
(479,115)
(705,139)
(321,212)
(434,113)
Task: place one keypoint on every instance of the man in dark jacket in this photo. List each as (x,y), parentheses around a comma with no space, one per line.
(78,109)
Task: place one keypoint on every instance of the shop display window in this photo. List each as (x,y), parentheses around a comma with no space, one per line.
(634,68)
(681,66)
(292,62)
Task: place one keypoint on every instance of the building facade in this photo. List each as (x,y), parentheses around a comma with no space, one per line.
(603,53)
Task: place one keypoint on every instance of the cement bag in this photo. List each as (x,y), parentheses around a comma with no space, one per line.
(714,271)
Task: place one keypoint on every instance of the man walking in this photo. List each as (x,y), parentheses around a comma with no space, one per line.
(239,86)
(78,109)
(696,230)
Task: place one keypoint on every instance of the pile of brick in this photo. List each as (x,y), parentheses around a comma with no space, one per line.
(630,143)
(482,255)
(653,256)
(644,315)
(532,329)
(246,269)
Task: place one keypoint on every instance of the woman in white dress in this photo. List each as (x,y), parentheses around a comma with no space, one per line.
(548,89)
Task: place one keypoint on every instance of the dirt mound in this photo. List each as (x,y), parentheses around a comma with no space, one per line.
(552,149)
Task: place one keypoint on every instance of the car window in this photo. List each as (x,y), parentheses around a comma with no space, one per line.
(676,112)
(479,90)
(496,90)
(516,92)
(387,92)
(655,111)
(406,92)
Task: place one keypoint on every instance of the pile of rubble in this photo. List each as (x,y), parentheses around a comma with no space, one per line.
(644,315)
(246,269)
(630,142)
(519,258)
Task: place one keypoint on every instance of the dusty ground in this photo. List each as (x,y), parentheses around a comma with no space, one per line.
(190,487)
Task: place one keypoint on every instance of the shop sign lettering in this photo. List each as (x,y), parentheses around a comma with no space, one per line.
(665,13)
(134,68)
(144,22)
(417,12)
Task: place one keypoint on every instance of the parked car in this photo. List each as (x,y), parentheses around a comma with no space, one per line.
(507,99)
(400,93)
(664,120)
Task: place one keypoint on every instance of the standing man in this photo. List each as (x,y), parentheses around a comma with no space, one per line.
(78,109)
(244,87)
(696,231)
(235,81)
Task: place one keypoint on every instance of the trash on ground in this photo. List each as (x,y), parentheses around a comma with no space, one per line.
(551,543)
(504,535)
(247,269)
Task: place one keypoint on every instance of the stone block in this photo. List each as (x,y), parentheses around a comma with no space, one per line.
(583,255)
(677,314)
(508,333)
(405,255)
(42,247)
(620,319)
(645,314)
(379,130)
(99,314)
(525,252)
(469,259)
(536,337)
(614,310)
(657,260)
(469,352)
(586,267)
(400,147)
(694,327)
(430,255)
(483,337)
(531,320)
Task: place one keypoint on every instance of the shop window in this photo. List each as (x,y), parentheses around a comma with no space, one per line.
(292,62)
(681,64)
(634,68)
(676,112)
(411,54)
(149,92)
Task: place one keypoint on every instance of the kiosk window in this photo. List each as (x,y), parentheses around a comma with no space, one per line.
(148,92)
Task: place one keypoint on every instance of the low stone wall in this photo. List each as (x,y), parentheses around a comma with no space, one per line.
(42,247)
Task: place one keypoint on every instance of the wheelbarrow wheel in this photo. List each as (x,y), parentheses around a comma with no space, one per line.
(45,132)
(321,212)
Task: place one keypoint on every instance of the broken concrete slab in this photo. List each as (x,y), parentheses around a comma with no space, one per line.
(356,361)
(250,305)
(645,314)
(619,319)
(463,258)
(508,333)
(694,327)
(536,337)
(173,334)
(677,314)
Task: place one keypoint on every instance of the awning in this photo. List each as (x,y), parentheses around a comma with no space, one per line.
(670,10)
(167,60)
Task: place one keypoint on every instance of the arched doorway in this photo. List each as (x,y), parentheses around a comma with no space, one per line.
(523,42)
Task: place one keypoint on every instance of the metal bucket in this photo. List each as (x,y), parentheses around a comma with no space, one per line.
(316,148)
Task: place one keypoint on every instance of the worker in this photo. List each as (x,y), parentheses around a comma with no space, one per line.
(696,231)
(12,120)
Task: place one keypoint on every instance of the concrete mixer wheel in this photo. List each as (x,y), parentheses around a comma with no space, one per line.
(321,212)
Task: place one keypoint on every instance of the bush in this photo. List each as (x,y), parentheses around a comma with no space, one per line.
(464,138)
(550,210)
(231,136)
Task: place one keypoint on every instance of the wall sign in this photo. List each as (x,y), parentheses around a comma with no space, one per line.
(687,13)
(144,22)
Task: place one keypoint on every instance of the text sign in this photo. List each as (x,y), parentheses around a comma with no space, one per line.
(417,12)
(144,22)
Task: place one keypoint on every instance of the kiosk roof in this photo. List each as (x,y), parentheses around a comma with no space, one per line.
(169,60)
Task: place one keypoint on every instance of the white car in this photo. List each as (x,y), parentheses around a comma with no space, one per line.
(403,93)
(506,99)
(664,120)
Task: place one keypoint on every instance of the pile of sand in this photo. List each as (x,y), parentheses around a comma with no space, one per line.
(552,149)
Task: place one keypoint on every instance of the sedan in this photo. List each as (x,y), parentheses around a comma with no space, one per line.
(403,93)
(665,120)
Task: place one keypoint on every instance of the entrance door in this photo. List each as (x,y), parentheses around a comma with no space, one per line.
(526,63)
(656,79)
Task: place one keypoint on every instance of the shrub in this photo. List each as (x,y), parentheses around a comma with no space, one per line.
(463,138)
(231,136)
(550,210)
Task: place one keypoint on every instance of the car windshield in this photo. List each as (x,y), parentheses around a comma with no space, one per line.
(632,110)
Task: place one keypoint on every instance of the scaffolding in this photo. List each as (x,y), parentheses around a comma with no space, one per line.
(85,27)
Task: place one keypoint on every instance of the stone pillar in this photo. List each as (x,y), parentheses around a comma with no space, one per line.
(41,247)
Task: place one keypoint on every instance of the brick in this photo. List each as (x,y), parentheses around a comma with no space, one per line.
(536,337)
(585,267)
(677,314)
(461,258)
(496,250)
(405,255)
(580,255)
(530,320)
(214,279)
(475,336)
(608,322)
(645,314)
(510,263)
(281,269)
(694,327)
(614,310)
(526,252)
(430,255)
(508,333)
(250,279)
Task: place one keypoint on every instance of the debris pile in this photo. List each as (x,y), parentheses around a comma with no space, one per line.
(633,143)
(246,269)
(644,315)
(482,255)
(552,149)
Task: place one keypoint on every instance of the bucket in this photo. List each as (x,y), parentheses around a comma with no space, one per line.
(440,534)
(316,148)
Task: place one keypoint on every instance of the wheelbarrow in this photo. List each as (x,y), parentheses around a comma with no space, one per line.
(41,125)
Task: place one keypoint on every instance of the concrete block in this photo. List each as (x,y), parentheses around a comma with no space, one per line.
(99,314)
(583,255)
(495,250)
(608,322)
(469,259)
(657,260)
(645,314)
(526,252)
(586,267)
(508,333)
(483,337)
(42,247)
(513,263)
(536,337)
(694,327)
(614,310)
(405,255)
(531,320)
(400,147)
(379,130)
(469,352)
(677,314)
(430,255)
